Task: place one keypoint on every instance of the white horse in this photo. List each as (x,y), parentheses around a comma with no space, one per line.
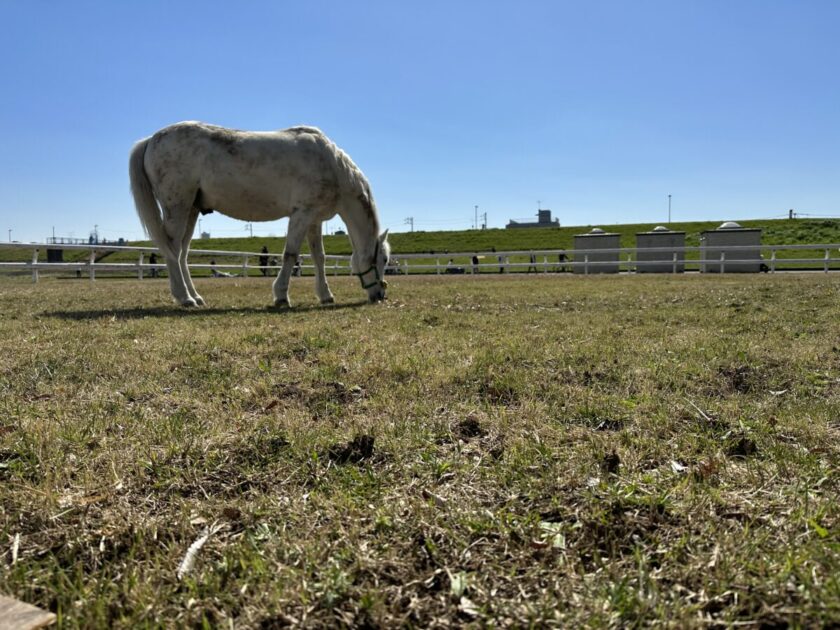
(191,168)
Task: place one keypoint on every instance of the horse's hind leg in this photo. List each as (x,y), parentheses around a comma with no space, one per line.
(175,223)
(316,248)
(182,259)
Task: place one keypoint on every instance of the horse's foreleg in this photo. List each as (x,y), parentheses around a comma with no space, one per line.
(298,223)
(182,259)
(316,248)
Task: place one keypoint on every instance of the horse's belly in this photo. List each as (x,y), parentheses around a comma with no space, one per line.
(248,205)
(243,201)
(267,198)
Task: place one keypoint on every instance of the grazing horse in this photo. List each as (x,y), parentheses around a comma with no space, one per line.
(191,168)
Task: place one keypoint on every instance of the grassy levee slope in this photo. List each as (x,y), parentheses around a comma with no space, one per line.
(553,450)
(775,232)
(797,231)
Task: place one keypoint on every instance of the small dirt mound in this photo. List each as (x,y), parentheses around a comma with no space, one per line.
(741,447)
(739,378)
(359,449)
(468,428)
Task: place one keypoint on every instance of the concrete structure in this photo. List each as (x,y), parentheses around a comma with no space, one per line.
(596,239)
(730,234)
(543,220)
(660,262)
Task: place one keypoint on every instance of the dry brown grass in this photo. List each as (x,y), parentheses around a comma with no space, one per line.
(492,451)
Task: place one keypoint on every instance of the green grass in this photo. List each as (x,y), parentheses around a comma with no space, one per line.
(788,232)
(775,232)
(506,451)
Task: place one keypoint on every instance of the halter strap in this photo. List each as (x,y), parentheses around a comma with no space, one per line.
(373,268)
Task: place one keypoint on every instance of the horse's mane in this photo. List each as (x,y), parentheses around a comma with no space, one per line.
(350,177)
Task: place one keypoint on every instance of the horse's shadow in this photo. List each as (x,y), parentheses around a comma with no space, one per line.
(175,311)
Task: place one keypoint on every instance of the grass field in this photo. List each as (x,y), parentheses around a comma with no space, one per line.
(505,451)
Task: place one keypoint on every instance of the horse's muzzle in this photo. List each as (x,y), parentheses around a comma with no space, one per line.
(376,296)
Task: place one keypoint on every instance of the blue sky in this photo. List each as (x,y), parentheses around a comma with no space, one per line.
(597,109)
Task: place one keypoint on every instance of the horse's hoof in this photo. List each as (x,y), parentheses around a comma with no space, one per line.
(282,304)
(329,300)
(200,301)
(190,303)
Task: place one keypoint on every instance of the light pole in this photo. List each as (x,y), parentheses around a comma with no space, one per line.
(475,225)
(669,209)
(10,235)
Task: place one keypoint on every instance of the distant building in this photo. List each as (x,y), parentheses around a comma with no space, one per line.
(543,221)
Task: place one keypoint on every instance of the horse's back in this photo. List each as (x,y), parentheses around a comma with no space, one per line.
(196,143)
(252,175)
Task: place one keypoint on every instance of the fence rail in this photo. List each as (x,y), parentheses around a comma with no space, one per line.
(586,261)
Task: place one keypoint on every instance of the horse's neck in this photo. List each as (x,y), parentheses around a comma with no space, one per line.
(363,229)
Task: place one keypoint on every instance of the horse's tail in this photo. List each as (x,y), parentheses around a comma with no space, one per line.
(144,199)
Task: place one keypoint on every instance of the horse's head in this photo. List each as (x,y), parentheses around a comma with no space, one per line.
(370,267)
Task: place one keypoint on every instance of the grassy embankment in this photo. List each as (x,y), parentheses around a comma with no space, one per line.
(775,232)
(580,452)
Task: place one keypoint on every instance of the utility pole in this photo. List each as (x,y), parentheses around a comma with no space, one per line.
(669,209)
(475,225)
(10,235)
(484,222)
(410,221)
(250,228)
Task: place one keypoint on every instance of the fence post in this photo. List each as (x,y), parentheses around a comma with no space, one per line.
(91,262)
(586,264)
(140,267)
(827,257)
(437,265)
(545,263)
(630,264)
(773,261)
(35,262)
(723,262)
(244,266)
(674,263)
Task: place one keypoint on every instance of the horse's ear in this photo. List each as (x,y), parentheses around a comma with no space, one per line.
(383,236)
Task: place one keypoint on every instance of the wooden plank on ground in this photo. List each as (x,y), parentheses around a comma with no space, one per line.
(16,615)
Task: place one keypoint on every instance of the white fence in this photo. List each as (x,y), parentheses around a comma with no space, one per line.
(583,260)
(588,260)
(90,267)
